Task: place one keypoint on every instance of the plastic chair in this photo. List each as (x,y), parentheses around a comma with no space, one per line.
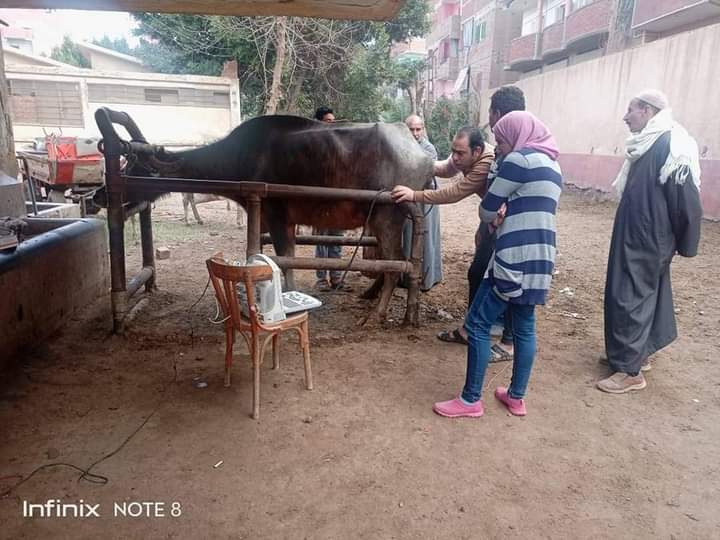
(225,278)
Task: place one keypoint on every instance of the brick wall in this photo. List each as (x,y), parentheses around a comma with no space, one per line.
(552,39)
(646,10)
(522,48)
(590,19)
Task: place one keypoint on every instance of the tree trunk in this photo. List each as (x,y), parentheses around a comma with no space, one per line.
(295,91)
(412,96)
(280,53)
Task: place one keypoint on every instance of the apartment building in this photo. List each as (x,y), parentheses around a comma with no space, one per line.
(468,45)
(560,33)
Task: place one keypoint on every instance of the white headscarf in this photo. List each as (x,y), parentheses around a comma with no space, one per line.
(683,159)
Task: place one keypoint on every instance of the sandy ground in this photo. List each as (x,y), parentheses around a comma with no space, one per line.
(363,455)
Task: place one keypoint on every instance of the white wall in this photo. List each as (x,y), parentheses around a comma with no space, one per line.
(584,104)
(161,124)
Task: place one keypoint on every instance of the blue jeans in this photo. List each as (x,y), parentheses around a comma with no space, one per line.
(485,310)
(329,252)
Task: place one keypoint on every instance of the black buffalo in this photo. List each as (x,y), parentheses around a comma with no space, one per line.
(303,152)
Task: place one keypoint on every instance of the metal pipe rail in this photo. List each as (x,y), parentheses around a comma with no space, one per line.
(120,186)
(322,240)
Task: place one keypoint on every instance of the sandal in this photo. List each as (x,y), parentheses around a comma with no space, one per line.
(499,354)
(453,336)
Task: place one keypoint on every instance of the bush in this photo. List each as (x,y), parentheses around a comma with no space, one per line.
(442,122)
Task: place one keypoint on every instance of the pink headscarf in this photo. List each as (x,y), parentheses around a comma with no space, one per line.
(522,129)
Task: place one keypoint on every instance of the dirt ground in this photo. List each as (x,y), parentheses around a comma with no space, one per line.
(362,455)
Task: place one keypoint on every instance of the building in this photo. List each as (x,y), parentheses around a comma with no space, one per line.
(468,46)
(109,60)
(17,38)
(174,110)
(46,96)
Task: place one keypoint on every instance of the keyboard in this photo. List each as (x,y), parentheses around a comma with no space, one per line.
(294,301)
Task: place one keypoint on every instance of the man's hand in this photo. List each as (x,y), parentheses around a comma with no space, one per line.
(402,194)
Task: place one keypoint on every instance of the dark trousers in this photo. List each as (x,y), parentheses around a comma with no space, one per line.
(476,273)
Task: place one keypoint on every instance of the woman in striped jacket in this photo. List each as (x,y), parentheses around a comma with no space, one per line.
(521,203)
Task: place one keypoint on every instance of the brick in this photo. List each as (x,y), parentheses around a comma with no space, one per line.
(162,253)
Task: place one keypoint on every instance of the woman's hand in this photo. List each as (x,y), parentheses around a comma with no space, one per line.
(500,216)
(402,194)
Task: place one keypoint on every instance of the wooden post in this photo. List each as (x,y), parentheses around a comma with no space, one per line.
(116,237)
(412,310)
(253,228)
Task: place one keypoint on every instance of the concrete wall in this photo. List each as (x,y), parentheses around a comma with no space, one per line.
(161,124)
(584,104)
(106,62)
(47,279)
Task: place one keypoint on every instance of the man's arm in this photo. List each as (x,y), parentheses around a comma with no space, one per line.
(685,212)
(474,182)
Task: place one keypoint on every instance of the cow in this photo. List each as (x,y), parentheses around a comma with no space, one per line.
(191,200)
(299,151)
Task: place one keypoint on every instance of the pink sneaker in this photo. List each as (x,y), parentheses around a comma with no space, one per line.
(455,408)
(515,406)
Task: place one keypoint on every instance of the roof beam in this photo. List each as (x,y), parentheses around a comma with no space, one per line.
(333,9)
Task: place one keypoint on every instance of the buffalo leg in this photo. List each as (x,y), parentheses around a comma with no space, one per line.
(387,224)
(374,290)
(195,212)
(186,202)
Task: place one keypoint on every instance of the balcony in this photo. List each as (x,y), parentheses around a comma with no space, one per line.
(666,15)
(552,41)
(449,27)
(585,27)
(448,70)
(522,55)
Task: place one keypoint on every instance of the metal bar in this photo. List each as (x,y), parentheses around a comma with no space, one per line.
(130,211)
(143,147)
(145,275)
(412,309)
(105,118)
(31,186)
(146,240)
(320,240)
(244,189)
(116,236)
(361,265)
(254,245)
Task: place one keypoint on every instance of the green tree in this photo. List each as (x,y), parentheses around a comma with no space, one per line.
(443,121)
(285,63)
(69,53)
(118,44)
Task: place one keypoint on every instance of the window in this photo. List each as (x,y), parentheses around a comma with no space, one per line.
(162,95)
(480,31)
(554,13)
(577,4)
(138,95)
(529,22)
(45,103)
(467,33)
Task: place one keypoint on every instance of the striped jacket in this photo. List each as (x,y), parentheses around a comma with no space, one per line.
(529,182)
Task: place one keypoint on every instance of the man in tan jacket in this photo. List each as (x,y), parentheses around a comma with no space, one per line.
(471,157)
